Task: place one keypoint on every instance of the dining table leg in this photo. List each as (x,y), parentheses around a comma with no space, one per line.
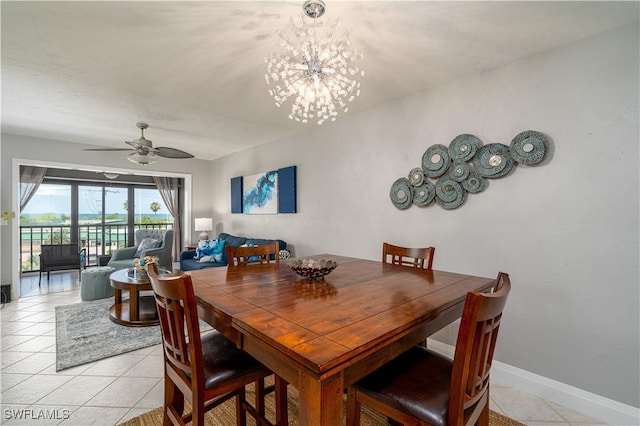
(320,401)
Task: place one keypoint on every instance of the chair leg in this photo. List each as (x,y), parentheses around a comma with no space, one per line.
(241,413)
(197,411)
(483,419)
(39,278)
(353,408)
(173,401)
(260,394)
(282,406)
(239,409)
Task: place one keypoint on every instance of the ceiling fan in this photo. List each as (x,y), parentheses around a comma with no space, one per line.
(143,151)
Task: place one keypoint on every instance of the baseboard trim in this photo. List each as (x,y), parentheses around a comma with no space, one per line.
(596,406)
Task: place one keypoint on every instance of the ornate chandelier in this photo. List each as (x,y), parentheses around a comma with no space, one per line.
(319,74)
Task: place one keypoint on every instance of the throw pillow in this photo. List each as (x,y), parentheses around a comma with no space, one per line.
(146,244)
(284,254)
(209,251)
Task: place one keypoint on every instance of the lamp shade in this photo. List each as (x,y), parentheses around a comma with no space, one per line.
(203,224)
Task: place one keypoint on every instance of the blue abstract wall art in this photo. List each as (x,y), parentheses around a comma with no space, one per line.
(260,193)
(272,192)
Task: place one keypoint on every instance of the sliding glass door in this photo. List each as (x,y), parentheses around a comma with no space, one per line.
(100,217)
(45,220)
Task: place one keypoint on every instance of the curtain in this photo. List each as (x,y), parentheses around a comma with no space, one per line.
(30,179)
(168,188)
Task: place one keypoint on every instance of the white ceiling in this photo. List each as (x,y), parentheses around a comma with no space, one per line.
(86,72)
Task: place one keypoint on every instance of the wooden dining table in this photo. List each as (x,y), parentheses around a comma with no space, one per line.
(323,335)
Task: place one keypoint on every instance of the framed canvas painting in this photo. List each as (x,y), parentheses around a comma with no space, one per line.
(260,193)
(287,190)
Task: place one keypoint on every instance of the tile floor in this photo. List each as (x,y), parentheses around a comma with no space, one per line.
(113,390)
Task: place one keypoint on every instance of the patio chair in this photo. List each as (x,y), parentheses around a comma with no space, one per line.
(60,257)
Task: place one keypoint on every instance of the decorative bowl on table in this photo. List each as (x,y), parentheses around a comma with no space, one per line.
(141,274)
(312,268)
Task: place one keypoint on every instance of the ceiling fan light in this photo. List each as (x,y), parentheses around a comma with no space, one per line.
(146,159)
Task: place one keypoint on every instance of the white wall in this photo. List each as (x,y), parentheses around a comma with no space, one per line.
(566,230)
(49,151)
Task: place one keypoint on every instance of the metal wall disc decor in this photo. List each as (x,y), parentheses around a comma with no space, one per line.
(529,147)
(424,194)
(474,183)
(463,147)
(468,164)
(435,161)
(493,160)
(449,193)
(459,171)
(416,176)
(402,193)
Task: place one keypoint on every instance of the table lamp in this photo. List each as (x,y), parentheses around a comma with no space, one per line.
(203,224)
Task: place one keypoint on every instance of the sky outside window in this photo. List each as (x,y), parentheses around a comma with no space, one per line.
(52,198)
(144,198)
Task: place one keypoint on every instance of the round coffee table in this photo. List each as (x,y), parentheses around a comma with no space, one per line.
(137,310)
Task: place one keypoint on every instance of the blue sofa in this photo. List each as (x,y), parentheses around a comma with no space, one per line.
(188,263)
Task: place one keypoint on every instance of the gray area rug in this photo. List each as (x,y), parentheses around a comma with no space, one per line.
(84,333)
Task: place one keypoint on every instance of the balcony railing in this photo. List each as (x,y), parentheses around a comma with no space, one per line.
(97,239)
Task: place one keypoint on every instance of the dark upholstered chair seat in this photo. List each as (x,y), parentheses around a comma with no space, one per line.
(425,396)
(222,360)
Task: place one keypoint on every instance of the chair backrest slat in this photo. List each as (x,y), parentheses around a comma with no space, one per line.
(421,258)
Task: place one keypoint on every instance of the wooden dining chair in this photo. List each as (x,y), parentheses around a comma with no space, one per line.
(414,257)
(206,369)
(421,258)
(242,256)
(247,255)
(421,387)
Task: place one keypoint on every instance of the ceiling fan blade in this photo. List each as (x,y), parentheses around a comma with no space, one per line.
(167,152)
(107,149)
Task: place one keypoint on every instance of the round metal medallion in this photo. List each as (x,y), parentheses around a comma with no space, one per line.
(463,147)
(424,194)
(449,193)
(401,193)
(416,176)
(493,160)
(435,161)
(459,171)
(474,183)
(529,147)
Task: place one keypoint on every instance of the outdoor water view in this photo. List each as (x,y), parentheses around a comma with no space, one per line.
(101,225)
